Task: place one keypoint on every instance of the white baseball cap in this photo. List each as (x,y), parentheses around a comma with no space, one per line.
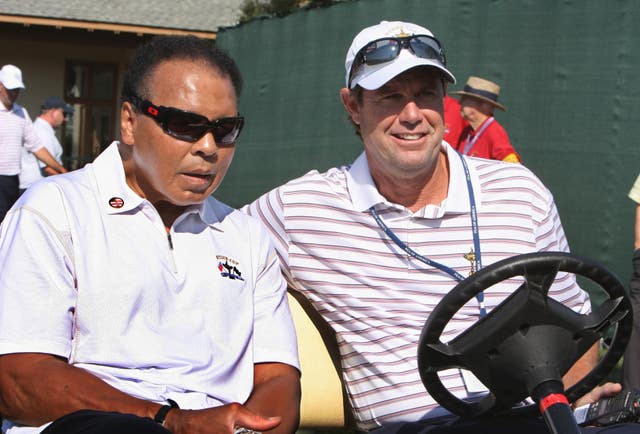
(11,77)
(374,76)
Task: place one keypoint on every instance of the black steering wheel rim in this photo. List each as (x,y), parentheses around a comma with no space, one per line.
(542,268)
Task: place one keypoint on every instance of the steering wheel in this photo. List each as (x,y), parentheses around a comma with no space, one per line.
(528,339)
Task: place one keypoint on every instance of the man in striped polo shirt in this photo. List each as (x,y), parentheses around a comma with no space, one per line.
(336,232)
(16,130)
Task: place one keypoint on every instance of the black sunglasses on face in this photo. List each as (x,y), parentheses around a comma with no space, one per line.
(189,126)
(387,49)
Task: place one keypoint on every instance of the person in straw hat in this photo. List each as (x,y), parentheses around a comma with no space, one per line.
(484,137)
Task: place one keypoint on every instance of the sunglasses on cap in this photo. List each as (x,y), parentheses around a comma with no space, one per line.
(189,126)
(387,49)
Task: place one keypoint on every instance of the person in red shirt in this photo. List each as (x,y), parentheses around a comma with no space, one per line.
(454,123)
(484,137)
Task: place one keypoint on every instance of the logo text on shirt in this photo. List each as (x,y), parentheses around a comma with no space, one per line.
(229,267)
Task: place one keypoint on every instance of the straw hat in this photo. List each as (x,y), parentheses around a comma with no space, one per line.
(54,102)
(482,89)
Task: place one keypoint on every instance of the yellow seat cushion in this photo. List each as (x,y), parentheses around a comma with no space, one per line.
(322,403)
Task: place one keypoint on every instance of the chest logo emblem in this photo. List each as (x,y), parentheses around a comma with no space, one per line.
(229,268)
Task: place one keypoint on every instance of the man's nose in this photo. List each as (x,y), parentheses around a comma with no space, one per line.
(206,145)
(410,112)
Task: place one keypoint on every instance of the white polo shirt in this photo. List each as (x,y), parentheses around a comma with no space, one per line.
(30,171)
(89,274)
(47,135)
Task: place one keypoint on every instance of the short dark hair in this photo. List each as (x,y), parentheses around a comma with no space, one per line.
(175,47)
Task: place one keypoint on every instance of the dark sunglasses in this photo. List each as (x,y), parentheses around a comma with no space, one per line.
(386,49)
(189,126)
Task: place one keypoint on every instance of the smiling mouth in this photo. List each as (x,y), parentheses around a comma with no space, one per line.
(412,136)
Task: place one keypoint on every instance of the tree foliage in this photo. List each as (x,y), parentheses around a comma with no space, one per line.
(252,9)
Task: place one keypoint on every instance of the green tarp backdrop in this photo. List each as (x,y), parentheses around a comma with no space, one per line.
(569,76)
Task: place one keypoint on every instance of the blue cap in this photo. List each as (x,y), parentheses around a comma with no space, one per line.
(54,102)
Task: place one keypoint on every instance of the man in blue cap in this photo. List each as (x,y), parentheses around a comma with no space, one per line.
(53,113)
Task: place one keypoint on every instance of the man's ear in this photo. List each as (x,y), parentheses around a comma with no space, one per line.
(127,123)
(350,102)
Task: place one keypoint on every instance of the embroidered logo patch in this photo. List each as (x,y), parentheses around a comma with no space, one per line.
(229,268)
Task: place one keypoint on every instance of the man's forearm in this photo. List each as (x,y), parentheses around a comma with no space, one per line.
(38,388)
(582,367)
(277,393)
(45,156)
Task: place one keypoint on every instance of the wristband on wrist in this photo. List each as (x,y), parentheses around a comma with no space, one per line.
(161,415)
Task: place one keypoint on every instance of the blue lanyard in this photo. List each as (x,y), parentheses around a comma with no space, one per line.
(476,239)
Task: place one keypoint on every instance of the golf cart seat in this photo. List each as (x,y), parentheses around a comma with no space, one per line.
(324,404)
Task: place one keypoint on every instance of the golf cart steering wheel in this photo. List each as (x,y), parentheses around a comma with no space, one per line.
(528,340)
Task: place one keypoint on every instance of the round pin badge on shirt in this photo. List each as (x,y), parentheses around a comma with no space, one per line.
(116,202)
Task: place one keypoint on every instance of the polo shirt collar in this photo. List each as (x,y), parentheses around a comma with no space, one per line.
(362,189)
(15,108)
(457,200)
(114,194)
(117,197)
(364,193)
(211,211)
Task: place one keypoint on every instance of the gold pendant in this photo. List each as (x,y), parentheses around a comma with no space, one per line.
(471,257)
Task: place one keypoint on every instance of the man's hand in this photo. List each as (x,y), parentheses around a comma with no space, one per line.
(45,156)
(49,171)
(599,392)
(217,420)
